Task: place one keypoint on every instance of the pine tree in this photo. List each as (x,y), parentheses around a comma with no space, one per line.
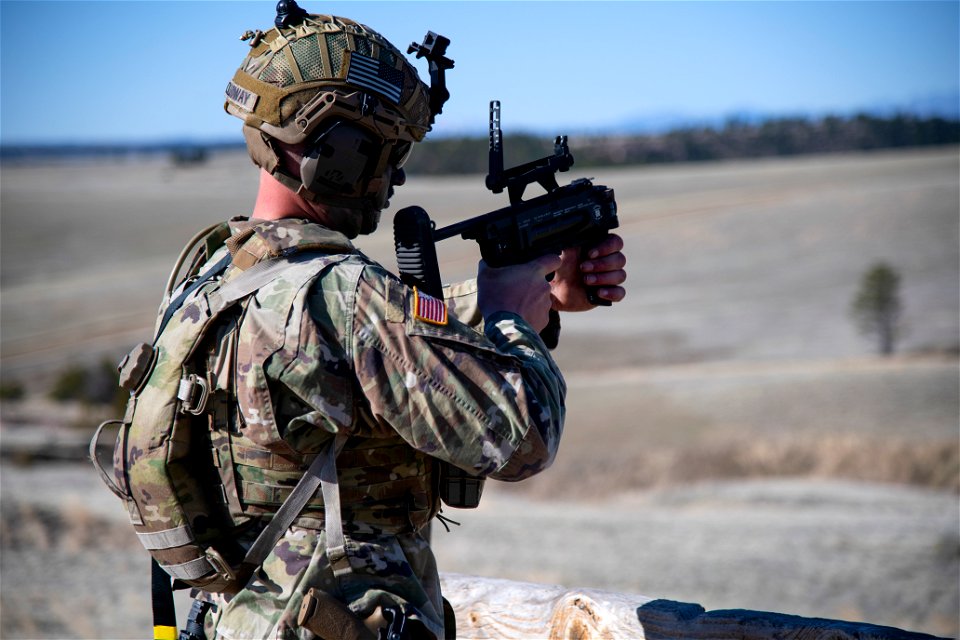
(876,307)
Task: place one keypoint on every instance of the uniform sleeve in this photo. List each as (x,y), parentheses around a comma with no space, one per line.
(491,403)
(461,299)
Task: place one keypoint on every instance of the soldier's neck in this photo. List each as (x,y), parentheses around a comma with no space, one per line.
(275,201)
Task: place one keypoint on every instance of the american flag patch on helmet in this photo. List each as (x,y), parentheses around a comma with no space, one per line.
(373,74)
(428,308)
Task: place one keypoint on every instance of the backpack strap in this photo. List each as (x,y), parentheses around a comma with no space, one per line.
(332,520)
(219,230)
(164,610)
(175,304)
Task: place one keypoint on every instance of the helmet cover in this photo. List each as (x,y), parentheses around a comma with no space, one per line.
(326,68)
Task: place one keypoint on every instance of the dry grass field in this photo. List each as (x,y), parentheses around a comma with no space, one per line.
(731,439)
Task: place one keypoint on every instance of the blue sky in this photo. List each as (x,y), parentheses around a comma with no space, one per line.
(153,71)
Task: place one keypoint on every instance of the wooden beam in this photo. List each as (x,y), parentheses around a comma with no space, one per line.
(666,620)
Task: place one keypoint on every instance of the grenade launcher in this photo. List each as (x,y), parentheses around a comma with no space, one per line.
(576,215)
(579,214)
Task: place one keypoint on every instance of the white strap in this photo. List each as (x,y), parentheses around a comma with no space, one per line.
(192,570)
(323,467)
(332,518)
(166,539)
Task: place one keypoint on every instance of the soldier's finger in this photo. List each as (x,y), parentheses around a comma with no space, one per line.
(613,294)
(547,264)
(615,277)
(611,244)
(610,262)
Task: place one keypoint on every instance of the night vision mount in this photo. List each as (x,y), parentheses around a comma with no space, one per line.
(434,48)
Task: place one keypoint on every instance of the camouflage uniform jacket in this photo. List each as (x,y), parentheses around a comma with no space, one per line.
(354,352)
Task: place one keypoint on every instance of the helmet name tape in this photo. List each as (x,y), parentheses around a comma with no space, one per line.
(241,97)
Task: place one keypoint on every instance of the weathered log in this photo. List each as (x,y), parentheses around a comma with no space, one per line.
(503,609)
(490,608)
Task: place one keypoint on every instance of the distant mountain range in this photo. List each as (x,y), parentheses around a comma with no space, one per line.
(945,106)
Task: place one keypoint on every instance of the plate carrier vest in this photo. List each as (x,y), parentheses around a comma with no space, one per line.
(182,466)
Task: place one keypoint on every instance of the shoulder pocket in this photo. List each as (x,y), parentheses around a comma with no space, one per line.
(455,334)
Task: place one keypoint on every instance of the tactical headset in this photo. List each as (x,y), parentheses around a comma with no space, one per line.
(346,142)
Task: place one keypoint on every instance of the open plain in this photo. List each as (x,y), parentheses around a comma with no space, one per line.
(731,439)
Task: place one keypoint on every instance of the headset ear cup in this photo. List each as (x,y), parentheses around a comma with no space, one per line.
(342,161)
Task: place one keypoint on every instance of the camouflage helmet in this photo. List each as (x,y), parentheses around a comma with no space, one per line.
(313,70)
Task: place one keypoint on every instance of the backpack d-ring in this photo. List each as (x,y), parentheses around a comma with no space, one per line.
(193,394)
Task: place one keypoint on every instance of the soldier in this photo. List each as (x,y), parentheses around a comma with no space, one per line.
(331,111)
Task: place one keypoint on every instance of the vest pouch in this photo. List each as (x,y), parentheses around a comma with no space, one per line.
(179,498)
(458,488)
(136,367)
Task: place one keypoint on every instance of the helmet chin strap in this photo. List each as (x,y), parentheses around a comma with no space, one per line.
(371,200)
(350,216)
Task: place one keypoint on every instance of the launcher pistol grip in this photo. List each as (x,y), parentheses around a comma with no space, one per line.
(416,251)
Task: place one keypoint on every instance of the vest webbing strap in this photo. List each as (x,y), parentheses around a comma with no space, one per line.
(321,473)
(332,520)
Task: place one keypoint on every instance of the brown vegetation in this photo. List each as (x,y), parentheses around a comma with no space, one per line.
(842,456)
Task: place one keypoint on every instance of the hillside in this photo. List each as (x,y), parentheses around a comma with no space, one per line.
(731,439)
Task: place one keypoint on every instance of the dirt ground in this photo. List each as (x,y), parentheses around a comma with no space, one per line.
(880,553)
(731,440)
(830,514)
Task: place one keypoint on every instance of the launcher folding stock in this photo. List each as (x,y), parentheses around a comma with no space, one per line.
(579,214)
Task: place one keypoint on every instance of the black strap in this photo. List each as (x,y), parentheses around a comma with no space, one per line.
(164,615)
(215,270)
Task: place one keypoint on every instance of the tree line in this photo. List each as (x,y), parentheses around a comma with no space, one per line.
(735,139)
(459,155)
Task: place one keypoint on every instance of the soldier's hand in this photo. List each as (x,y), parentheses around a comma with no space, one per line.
(521,289)
(600,266)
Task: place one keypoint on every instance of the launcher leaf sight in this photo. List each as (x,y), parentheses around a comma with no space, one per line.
(579,214)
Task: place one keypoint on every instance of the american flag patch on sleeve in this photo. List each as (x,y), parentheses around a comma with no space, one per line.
(375,75)
(428,308)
